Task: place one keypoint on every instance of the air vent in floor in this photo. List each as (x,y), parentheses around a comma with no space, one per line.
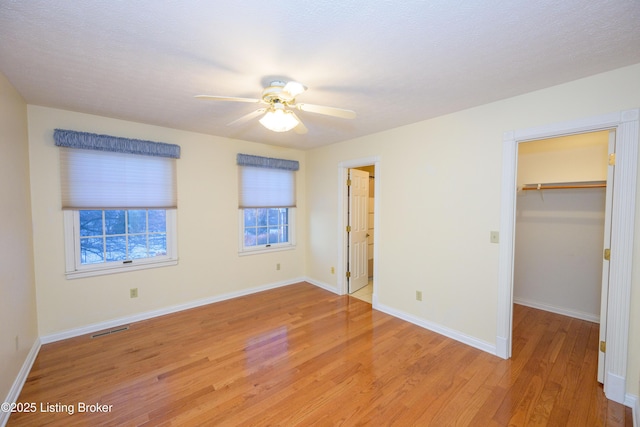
(110,331)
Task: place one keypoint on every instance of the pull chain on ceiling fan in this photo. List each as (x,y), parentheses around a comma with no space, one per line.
(280,100)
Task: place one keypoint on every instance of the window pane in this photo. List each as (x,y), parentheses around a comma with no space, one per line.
(250,238)
(250,218)
(274,216)
(114,222)
(284,216)
(157,244)
(274,235)
(91,251)
(116,248)
(137,221)
(138,247)
(91,223)
(157,221)
(262,216)
(262,236)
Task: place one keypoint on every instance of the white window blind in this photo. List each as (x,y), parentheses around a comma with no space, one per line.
(106,172)
(102,180)
(264,188)
(266,182)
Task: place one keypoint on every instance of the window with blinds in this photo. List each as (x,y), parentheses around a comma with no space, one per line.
(119,196)
(266,202)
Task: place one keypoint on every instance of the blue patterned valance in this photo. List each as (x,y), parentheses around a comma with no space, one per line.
(267,162)
(92,141)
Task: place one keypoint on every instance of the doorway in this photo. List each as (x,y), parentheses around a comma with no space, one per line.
(563,223)
(360,230)
(372,166)
(626,124)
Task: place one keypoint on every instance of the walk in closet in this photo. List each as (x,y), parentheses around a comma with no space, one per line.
(560,224)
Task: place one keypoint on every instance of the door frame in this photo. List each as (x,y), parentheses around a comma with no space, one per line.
(626,125)
(343,220)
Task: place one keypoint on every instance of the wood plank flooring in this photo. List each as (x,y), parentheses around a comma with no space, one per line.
(300,355)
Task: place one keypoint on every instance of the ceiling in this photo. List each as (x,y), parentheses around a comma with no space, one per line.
(392,62)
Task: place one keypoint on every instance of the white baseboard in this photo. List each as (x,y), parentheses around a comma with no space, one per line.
(502,348)
(632,401)
(16,388)
(95,327)
(615,387)
(442,330)
(322,285)
(558,310)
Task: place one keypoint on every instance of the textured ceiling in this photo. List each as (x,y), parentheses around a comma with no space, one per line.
(392,62)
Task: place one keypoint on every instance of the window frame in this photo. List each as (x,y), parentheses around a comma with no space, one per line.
(75,269)
(273,247)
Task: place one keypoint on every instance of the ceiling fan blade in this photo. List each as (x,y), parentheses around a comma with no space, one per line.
(328,111)
(300,129)
(247,117)
(227,98)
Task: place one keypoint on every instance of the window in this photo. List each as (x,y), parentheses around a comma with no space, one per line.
(266,227)
(119,200)
(266,203)
(121,235)
(115,240)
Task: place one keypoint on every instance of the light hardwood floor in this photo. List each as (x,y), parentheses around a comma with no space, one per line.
(300,355)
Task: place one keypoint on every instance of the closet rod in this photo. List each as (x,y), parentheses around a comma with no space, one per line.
(563,186)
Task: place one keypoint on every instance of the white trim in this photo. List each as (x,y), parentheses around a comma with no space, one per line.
(632,401)
(343,206)
(623,216)
(323,285)
(16,388)
(437,328)
(615,387)
(589,317)
(507,245)
(58,336)
(121,269)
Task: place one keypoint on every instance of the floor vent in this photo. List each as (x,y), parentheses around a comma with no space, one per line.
(110,331)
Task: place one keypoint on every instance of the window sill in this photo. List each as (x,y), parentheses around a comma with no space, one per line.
(77,274)
(266,250)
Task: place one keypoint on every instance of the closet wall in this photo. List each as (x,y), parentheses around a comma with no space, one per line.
(559,233)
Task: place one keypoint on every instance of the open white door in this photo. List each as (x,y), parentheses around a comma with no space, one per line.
(604,296)
(358,187)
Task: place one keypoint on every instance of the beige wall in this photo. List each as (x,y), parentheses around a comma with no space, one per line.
(574,158)
(208,236)
(439,197)
(18,319)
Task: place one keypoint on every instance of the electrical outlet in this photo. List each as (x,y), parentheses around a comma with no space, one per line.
(133,293)
(494,237)
(418,295)
(333,270)
(278,266)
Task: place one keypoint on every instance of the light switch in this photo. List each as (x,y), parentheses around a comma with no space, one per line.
(495,237)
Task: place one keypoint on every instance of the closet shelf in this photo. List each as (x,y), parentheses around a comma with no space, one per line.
(565,185)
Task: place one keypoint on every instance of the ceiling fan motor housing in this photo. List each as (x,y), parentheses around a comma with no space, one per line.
(275,93)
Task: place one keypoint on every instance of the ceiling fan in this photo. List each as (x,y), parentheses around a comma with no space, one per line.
(278,114)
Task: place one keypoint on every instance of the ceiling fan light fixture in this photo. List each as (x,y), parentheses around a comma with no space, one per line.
(294,88)
(279,120)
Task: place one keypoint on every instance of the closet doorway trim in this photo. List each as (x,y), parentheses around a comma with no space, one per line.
(625,123)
